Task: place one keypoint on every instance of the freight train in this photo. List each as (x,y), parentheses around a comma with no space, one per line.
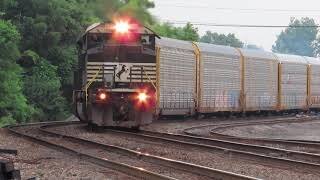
(128,76)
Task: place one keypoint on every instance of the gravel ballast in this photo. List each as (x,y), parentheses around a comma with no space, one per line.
(196,156)
(291,131)
(34,160)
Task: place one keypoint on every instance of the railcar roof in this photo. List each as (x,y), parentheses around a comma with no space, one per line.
(292,59)
(174,43)
(211,48)
(313,61)
(263,55)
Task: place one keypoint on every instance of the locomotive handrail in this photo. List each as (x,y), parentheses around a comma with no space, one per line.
(150,79)
(90,82)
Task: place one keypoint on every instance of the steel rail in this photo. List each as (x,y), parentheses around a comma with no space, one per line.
(184,166)
(263,158)
(285,142)
(295,143)
(251,122)
(121,167)
(277,152)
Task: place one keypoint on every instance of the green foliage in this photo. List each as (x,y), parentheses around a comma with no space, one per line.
(137,9)
(49,31)
(42,88)
(188,32)
(28,59)
(65,59)
(13,104)
(7,120)
(221,39)
(47,24)
(111,9)
(316,47)
(297,40)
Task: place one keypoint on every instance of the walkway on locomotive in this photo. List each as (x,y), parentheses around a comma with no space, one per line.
(207,78)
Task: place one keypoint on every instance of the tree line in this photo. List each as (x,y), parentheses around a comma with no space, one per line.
(38,49)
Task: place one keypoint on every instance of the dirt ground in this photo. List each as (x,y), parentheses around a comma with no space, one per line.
(290,131)
(36,161)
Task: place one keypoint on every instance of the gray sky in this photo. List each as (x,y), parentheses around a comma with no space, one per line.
(251,12)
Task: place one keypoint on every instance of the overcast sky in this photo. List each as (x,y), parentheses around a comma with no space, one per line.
(249,12)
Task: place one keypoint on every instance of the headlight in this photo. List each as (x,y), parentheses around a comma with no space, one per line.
(143,97)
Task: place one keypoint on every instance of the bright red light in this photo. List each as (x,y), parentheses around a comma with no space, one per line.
(144,99)
(142,96)
(102,96)
(122,27)
(125,30)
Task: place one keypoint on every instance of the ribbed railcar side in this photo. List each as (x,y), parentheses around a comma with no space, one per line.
(260,80)
(177,77)
(293,82)
(220,78)
(314,75)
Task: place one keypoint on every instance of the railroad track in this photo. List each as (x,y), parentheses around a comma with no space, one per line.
(210,131)
(300,161)
(119,158)
(190,130)
(293,156)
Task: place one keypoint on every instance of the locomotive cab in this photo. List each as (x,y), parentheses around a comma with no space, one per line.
(115,83)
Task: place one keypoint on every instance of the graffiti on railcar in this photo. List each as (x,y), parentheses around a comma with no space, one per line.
(265,100)
(226,99)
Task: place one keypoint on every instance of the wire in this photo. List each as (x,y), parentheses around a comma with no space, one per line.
(243,9)
(239,25)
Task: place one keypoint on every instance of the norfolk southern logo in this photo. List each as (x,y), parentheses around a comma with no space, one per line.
(123,69)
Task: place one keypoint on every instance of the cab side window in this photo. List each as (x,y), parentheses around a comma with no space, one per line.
(145,40)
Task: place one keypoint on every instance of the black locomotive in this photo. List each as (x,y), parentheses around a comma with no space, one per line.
(115,83)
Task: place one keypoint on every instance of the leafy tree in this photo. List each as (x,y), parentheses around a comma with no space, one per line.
(108,10)
(221,39)
(42,88)
(48,24)
(188,32)
(316,47)
(65,60)
(137,9)
(13,104)
(297,40)
(50,30)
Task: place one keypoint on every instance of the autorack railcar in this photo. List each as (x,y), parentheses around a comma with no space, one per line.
(227,79)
